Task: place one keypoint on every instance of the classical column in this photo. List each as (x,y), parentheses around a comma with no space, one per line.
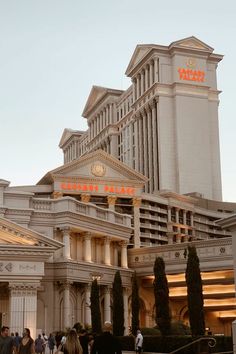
(134,88)
(110,121)
(139,85)
(66,241)
(23,307)
(107,251)
(87,247)
(156,70)
(146,77)
(126,313)
(142,82)
(155,146)
(85,198)
(145,146)
(136,205)
(140,135)
(66,286)
(87,310)
(136,142)
(95,127)
(107,303)
(150,149)
(177,215)
(124,258)
(111,199)
(151,73)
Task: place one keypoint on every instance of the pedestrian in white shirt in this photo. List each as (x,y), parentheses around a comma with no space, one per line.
(138,342)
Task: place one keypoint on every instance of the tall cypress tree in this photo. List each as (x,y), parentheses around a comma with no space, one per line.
(135,304)
(118,306)
(194,293)
(95,308)
(161,294)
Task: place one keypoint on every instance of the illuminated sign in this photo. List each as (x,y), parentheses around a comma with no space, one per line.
(107,188)
(191,75)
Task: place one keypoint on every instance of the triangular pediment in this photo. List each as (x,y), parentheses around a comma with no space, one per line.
(96,165)
(67,134)
(97,94)
(191,43)
(140,52)
(12,234)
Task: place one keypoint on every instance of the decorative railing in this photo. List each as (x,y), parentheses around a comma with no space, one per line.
(211,342)
(69,204)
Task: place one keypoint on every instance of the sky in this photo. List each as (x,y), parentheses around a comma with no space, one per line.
(53,51)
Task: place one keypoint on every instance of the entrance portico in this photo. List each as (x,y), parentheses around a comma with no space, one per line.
(23,255)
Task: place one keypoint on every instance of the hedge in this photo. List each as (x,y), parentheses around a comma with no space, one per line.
(167,344)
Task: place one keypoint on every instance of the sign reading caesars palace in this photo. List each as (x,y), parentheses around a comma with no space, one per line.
(142,181)
(107,188)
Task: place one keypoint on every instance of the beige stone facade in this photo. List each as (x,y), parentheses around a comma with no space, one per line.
(131,189)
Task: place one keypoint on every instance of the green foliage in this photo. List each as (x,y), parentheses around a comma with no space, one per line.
(118,306)
(135,304)
(161,294)
(153,331)
(95,308)
(194,293)
(179,328)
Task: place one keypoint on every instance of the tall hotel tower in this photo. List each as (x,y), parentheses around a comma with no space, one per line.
(165,125)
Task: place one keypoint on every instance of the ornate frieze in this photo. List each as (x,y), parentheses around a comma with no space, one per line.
(21,268)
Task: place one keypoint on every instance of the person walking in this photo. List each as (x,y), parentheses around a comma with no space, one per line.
(138,342)
(106,343)
(27,343)
(39,345)
(17,339)
(6,341)
(51,343)
(72,344)
(84,340)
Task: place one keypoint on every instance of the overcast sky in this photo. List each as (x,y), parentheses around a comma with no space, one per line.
(53,51)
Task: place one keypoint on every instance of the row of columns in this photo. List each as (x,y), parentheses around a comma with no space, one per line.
(176,212)
(66,286)
(87,248)
(23,307)
(72,151)
(145,78)
(146,145)
(124,107)
(105,117)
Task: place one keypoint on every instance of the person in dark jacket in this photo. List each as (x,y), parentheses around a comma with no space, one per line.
(106,343)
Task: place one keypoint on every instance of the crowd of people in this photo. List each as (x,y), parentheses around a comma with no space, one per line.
(72,343)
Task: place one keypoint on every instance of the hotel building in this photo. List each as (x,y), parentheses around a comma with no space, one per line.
(143,181)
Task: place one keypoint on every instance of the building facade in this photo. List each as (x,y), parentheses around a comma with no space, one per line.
(143,181)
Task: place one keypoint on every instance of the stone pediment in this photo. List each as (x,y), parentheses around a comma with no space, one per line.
(97,94)
(97,165)
(140,52)
(191,43)
(12,234)
(67,134)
